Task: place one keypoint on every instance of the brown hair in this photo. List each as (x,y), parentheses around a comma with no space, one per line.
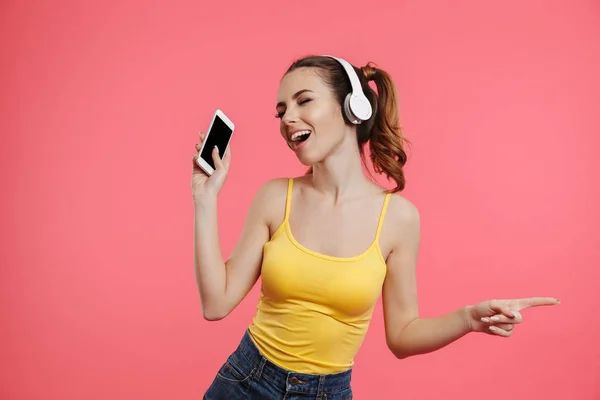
(382,131)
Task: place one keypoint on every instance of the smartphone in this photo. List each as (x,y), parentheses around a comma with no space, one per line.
(219,134)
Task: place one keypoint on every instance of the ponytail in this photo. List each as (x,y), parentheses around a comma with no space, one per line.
(383,131)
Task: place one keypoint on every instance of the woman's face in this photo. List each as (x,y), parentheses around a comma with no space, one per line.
(311,119)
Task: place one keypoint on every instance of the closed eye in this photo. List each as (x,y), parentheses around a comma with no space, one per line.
(301,102)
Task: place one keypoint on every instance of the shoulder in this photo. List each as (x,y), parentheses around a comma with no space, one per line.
(278,187)
(273,187)
(402,212)
(269,200)
(271,193)
(402,222)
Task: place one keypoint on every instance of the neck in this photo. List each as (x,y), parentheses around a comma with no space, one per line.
(341,174)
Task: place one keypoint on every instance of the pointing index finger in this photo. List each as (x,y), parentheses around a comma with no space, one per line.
(536,302)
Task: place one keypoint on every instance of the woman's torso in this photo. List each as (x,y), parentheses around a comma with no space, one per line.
(322,273)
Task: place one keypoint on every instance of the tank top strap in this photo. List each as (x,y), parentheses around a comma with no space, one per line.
(288,199)
(382,216)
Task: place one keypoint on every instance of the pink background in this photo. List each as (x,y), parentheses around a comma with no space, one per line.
(100,107)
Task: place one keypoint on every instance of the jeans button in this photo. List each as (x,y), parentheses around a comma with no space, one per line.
(294,380)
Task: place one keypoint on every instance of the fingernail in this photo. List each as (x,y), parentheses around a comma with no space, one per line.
(493,328)
(217,149)
(485,319)
(495,318)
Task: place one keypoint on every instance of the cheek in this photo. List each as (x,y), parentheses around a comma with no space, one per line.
(332,121)
(326,117)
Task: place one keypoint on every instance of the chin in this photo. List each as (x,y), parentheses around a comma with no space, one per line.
(308,159)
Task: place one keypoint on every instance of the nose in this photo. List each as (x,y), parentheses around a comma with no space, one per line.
(290,117)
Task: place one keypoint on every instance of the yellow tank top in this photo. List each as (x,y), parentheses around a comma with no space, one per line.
(314,310)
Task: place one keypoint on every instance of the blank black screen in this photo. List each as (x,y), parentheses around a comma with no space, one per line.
(218,136)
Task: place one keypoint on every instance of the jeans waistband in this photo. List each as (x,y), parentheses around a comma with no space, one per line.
(290,380)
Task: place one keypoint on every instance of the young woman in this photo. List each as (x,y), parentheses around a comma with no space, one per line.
(326,244)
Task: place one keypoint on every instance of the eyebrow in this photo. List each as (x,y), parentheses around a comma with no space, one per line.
(294,97)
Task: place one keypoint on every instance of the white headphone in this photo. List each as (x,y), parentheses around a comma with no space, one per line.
(356,104)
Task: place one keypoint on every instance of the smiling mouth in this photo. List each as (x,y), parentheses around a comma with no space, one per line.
(300,136)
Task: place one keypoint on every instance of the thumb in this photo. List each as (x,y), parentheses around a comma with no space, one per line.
(219,166)
(501,307)
(227,157)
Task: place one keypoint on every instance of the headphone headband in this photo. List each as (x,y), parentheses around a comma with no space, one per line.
(356,104)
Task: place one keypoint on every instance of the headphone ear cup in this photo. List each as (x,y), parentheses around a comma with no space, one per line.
(360,107)
(348,110)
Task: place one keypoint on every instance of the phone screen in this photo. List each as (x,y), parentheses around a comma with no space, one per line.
(218,136)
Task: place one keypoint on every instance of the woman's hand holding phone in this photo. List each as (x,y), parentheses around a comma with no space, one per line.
(204,186)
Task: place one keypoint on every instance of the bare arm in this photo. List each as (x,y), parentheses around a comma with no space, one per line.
(406,333)
(223,285)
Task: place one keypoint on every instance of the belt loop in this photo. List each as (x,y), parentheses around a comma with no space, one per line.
(259,369)
(320,388)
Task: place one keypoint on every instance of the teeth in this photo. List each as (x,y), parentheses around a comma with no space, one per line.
(299,133)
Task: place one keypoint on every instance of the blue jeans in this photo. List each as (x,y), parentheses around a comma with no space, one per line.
(248,375)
